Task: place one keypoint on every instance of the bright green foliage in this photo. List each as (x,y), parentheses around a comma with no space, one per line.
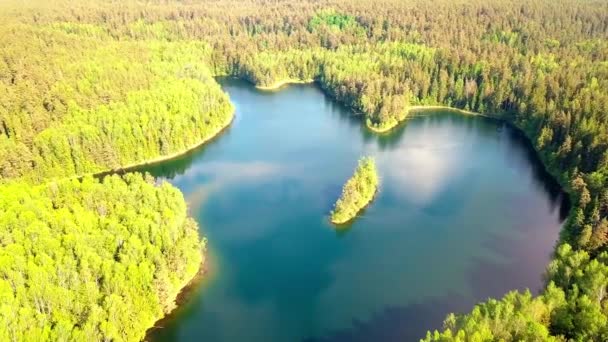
(509,38)
(76,105)
(91,261)
(83,260)
(545,63)
(266,69)
(516,317)
(358,191)
(361,79)
(573,307)
(333,20)
(585,282)
(88,86)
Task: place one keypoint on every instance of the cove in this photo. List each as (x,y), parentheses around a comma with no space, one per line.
(465,211)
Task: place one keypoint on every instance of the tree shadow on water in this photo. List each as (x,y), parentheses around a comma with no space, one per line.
(387,140)
(400,323)
(176,166)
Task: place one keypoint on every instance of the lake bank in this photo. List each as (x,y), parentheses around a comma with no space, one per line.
(395,123)
(380,130)
(214,134)
(552,169)
(190,286)
(184,294)
(440,107)
(279,84)
(385,128)
(461,196)
(191,283)
(149,162)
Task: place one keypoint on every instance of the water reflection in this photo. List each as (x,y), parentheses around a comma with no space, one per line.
(392,323)
(465,211)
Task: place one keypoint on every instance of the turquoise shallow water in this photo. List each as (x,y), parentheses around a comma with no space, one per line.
(465,211)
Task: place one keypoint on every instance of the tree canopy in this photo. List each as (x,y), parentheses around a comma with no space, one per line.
(90,260)
(357,192)
(98,85)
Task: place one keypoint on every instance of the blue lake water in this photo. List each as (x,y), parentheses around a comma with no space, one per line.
(465,211)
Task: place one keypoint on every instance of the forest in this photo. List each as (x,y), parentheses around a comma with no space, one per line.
(90,260)
(96,86)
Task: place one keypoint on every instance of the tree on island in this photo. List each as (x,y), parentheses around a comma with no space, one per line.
(358,191)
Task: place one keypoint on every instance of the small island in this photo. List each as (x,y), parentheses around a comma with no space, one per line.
(357,193)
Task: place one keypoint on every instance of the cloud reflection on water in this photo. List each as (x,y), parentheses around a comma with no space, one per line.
(453,190)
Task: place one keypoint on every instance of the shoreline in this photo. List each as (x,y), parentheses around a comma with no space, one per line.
(342,224)
(461,111)
(386,129)
(167,157)
(130,167)
(554,172)
(279,84)
(186,292)
(415,108)
(183,295)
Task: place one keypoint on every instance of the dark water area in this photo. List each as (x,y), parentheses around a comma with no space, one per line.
(465,211)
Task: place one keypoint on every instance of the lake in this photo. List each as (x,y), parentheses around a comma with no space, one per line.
(465,211)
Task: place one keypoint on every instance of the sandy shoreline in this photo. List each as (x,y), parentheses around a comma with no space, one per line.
(282,83)
(423,108)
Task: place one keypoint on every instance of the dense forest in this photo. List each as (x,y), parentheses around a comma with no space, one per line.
(87,260)
(74,105)
(94,86)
